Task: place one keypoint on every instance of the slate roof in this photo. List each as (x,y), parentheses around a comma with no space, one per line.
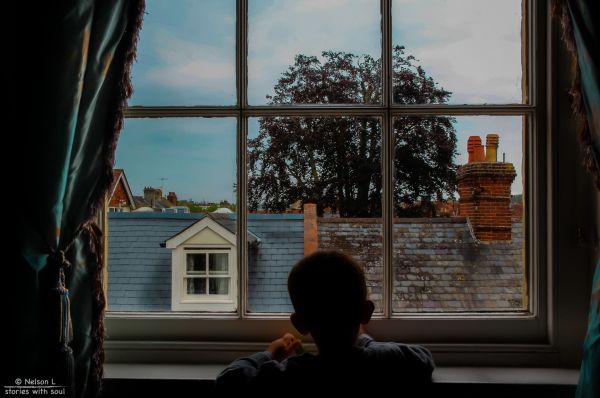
(227,221)
(437,264)
(161,203)
(139,269)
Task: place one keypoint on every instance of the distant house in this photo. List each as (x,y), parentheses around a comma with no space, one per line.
(223,210)
(176,209)
(153,200)
(120,198)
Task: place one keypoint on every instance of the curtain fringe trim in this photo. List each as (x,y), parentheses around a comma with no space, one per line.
(560,10)
(122,94)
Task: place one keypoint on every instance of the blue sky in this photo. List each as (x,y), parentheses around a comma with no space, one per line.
(186,56)
(196,155)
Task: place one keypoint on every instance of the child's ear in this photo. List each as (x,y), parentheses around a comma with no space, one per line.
(367,312)
(299,323)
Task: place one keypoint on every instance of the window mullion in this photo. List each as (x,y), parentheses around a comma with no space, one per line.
(387,158)
(242,53)
(386,52)
(241,209)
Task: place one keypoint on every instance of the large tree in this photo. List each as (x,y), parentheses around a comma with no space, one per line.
(336,161)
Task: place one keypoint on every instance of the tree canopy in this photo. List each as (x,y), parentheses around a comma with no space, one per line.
(336,161)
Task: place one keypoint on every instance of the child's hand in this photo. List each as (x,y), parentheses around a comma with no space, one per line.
(362,330)
(284,347)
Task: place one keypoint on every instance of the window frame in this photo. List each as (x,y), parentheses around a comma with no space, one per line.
(206,297)
(528,337)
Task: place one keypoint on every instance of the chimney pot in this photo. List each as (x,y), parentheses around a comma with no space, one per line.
(479,155)
(473,141)
(491,147)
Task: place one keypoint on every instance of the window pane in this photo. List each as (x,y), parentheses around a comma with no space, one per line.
(459,222)
(312,183)
(186,54)
(314,52)
(196,285)
(471,49)
(218,263)
(219,285)
(196,263)
(172,173)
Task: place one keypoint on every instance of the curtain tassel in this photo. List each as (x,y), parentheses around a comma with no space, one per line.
(65,333)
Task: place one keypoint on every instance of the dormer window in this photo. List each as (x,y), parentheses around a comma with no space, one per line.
(204,267)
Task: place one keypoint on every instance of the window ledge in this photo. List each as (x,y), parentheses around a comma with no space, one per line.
(441,375)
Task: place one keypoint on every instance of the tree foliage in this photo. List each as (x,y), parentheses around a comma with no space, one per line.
(336,161)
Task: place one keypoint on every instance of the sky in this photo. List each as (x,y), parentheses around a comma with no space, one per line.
(186,56)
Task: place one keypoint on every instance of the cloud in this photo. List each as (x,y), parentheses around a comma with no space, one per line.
(470,47)
(283,29)
(184,64)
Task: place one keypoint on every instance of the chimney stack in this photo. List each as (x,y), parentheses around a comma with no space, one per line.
(172,197)
(152,195)
(311,240)
(484,190)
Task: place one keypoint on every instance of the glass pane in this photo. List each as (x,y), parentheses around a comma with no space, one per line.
(196,285)
(171,173)
(314,52)
(218,285)
(196,263)
(313,178)
(186,54)
(218,263)
(459,227)
(458,52)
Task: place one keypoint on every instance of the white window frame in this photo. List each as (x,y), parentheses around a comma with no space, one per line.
(524,338)
(183,301)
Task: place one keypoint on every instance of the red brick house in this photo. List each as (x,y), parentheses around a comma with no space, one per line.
(120,198)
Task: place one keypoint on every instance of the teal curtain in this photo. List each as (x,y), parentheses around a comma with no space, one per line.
(580,20)
(589,377)
(73,64)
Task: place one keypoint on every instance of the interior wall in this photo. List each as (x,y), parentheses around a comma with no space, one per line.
(577,212)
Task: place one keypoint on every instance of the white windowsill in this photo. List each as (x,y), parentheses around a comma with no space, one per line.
(470,375)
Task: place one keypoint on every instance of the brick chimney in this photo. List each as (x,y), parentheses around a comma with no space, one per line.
(172,197)
(311,241)
(152,195)
(484,190)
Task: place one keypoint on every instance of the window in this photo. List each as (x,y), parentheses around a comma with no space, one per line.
(207,282)
(375,128)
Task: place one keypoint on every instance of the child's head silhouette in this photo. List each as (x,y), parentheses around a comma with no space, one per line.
(329,294)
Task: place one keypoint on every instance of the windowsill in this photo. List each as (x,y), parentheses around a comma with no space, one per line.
(441,375)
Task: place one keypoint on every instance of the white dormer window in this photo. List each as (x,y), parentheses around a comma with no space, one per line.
(204,269)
